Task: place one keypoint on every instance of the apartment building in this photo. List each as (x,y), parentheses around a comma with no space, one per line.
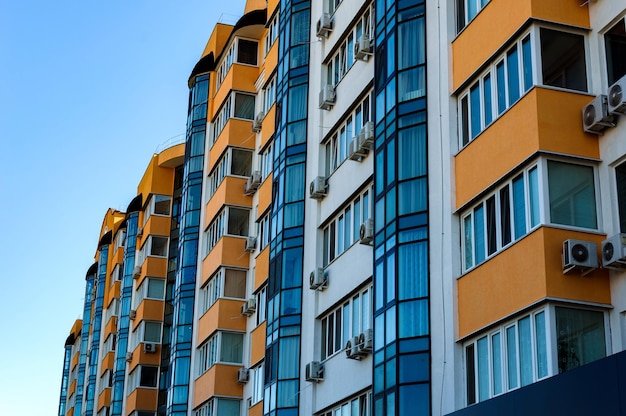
(381,207)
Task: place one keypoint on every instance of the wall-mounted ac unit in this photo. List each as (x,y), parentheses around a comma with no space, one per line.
(250,244)
(579,255)
(352,348)
(132,314)
(243,375)
(318,279)
(366,341)
(249,307)
(258,122)
(324,25)
(357,151)
(327,97)
(149,347)
(614,252)
(596,117)
(129,356)
(318,188)
(366,232)
(136,272)
(363,48)
(253,183)
(617,97)
(368,135)
(314,372)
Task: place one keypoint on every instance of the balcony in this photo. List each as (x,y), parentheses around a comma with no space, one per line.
(224,314)
(229,192)
(219,380)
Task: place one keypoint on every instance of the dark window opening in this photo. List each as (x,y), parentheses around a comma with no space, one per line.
(615,44)
(563,60)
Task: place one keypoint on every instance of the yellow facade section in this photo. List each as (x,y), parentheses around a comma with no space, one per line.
(509,282)
(272,5)
(142,399)
(257,344)
(261,271)
(157,225)
(110,327)
(218,39)
(256,410)
(229,192)
(149,310)
(265,194)
(268,126)
(252,5)
(543,120)
(236,133)
(228,251)
(498,22)
(223,314)
(104,398)
(240,78)
(172,157)
(107,362)
(219,380)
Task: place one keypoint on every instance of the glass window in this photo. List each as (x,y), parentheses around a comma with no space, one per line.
(244,106)
(572,194)
(158,246)
(247,52)
(563,60)
(620,178)
(241,164)
(615,46)
(238,221)
(580,337)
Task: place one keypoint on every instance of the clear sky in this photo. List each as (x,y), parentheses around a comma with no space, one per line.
(88,91)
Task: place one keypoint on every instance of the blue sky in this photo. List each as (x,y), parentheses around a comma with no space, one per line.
(88,91)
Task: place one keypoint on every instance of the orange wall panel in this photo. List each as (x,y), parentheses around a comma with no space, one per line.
(75,360)
(229,251)
(544,119)
(271,6)
(256,410)
(153,266)
(223,314)
(257,341)
(239,77)
(261,271)
(268,126)
(72,388)
(509,282)
(265,194)
(271,59)
(172,156)
(113,292)
(230,192)
(157,225)
(567,12)
(104,398)
(219,380)
(110,327)
(236,132)
(252,5)
(157,180)
(149,310)
(141,399)
(107,362)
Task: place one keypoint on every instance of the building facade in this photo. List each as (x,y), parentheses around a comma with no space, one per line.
(381,207)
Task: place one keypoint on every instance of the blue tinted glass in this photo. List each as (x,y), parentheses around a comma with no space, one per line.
(483,368)
(479,232)
(527,63)
(413,318)
(472,9)
(512,63)
(519,210)
(467,236)
(414,368)
(487,99)
(414,399)
(412,196)
(525,351)
(475,110)
(511,356)
(501,87)
(541,347)
(533,184)
(496,364)
(413,270)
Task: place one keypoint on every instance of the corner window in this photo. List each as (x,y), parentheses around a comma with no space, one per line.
(572,195)
(157,205)
(247,52)
(620,179)
(158,246)
(150,288)
(234,162)
(615,48)
(466,10)
(563,60)
(230,221)
(580,337)
(223,347)
(227,283)
(143,376)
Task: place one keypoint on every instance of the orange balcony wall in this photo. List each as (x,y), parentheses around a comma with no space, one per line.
(228,251)
(544,119)
(268,126)
(172,157)
(72,388)
(113,292)
(229,192)
(142,399)
(271,59)
(70,412)
(104,399)
(223,314)
(261,271)
(256,410)
(239,77)
(149,310)
(252,5)
(110,327)
(498,22)
(156,179)
(118,256)
(141,357)
(153,266)
(237,133)
(265,194)
(75,360)
(157,225)
(509,282)
(257,350)
(107,362)
(271,6)
(219,380)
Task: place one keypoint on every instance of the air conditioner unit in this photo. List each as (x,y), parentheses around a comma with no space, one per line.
(327,97)
(253,183)
(314,371)
(318,188)
(366,232)
(249,307)
(366,341)
(363,48)
(324,25)
(129,356)
(250,244)
(614,252)
(596,117)
(258,121)
(139,231)
(243,375)
(149,347)
(579,255)
(352,349)
(617,97)
(368,135)
(357,151)
(136,272)
(132,314)
(318,279)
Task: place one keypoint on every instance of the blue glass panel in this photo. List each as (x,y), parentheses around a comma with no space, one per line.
(525,351)
(496,363)
(487,104)
(479,234)
(511,357)
(540,345)
(501,87)
(483,368)
(413,270)
(519,207)
(412,196)
(512,63)
(467,238)
(475,124)
(414,368)
(527,63)
(533,185)
(414,399)
(413,318)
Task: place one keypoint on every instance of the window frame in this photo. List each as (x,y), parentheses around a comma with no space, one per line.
(214,288)
(209,352)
